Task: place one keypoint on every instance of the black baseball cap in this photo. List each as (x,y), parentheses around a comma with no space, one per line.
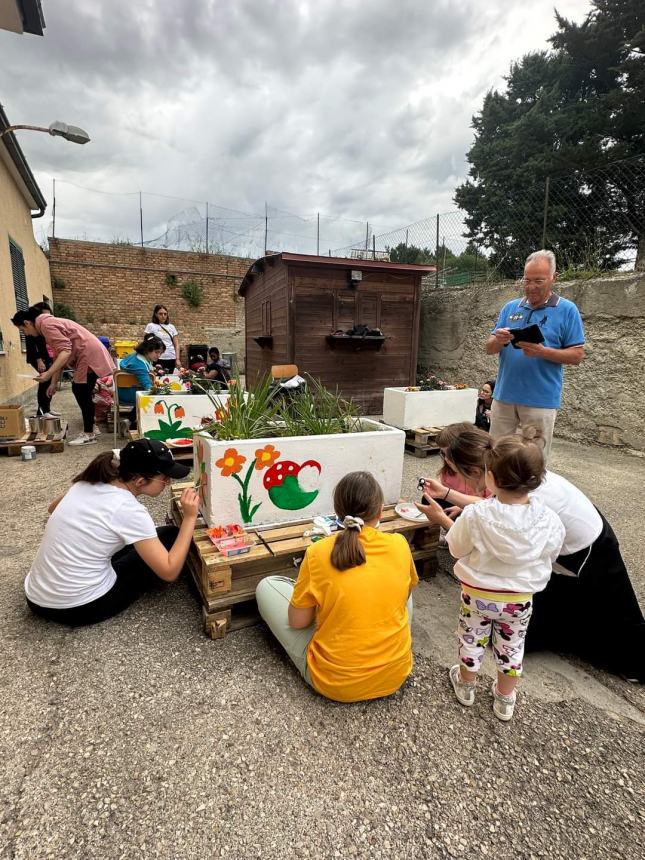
(150,457)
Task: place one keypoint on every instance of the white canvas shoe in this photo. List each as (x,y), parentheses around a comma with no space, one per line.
(465,692)
(84,439)
(97,430)
(503,706)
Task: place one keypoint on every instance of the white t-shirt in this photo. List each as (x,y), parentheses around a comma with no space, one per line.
(164,332)
(581,521)
(90,524)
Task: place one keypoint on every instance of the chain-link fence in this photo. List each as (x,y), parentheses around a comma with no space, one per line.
(593,220)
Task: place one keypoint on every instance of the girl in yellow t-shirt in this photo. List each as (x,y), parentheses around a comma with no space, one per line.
(345,622)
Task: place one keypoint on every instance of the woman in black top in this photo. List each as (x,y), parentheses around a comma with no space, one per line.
(38,357)
(484,404)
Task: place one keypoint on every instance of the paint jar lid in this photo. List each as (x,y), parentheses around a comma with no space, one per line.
(28,449)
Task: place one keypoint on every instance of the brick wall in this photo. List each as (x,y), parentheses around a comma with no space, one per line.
(113,289)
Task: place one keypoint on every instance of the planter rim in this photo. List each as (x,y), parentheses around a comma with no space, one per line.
(274,440)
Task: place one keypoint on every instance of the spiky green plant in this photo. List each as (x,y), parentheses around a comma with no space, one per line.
(317,411)
(250,417)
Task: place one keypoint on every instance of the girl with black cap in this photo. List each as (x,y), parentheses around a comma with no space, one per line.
(101,549)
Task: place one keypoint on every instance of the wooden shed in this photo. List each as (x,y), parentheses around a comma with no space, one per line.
(300,308)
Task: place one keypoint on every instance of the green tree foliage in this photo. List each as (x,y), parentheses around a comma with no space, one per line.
(572,114)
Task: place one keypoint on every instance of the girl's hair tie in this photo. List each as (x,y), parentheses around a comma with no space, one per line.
(353,523)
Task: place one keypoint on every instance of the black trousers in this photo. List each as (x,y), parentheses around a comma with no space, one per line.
(168,364)
(44,401)
(134,577)
(575,614)
(83,391)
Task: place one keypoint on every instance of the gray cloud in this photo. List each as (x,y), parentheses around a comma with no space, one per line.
(359,110)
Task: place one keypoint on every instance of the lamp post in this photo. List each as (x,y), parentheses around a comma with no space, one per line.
(57,129)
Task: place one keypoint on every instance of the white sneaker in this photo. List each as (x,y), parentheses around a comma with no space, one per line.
(97,431)
(83,439)
(503,706)
(465,692)
(51,415)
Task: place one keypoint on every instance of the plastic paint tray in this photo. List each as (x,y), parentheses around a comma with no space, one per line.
(231,546)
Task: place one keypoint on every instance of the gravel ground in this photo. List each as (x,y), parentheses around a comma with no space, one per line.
(141,738)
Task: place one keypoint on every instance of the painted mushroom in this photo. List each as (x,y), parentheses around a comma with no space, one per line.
(284,486)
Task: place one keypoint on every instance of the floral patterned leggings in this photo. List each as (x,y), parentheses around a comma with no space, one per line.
(484,615)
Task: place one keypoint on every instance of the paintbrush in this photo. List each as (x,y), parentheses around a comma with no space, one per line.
(262,540)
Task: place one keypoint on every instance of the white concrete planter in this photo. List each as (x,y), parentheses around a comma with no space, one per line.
(289,479)
(412,409)
(175,415)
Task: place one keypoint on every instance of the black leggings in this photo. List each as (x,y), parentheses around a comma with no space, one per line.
(595,615)
(83,392)
(133,578)
(168,364)
(44,401)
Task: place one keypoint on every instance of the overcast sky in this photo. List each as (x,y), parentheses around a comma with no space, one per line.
(357,109)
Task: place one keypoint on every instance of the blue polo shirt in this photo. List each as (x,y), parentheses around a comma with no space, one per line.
(536,381)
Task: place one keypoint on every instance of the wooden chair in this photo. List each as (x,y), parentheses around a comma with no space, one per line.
(122,379)
(283,371)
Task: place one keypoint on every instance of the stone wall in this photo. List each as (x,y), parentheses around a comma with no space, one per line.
(113,288)
(604,397)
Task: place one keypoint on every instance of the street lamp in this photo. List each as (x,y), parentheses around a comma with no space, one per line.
(57,129)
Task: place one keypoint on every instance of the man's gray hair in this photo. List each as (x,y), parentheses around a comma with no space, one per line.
(543,255)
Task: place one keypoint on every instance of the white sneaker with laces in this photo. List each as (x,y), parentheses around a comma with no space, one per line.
(97,430)
(465,692)
(503,706)
(51,415)
(83,439)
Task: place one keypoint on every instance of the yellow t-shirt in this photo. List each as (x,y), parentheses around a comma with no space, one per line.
(362,647)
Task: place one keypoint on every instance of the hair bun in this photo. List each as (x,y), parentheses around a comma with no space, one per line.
(532,433)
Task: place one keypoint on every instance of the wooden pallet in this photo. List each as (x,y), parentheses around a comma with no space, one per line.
(52,444)
(226,586)
(421,442)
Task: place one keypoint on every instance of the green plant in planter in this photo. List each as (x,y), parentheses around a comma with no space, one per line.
(251,417)
(193,293)
(316,411)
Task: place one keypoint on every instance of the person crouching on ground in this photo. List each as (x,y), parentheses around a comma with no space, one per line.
(505,547)
(345,622)
(101,549)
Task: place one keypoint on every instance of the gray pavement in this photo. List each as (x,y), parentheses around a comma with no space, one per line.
(141,738)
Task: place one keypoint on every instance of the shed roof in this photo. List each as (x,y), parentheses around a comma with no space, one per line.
(330,262)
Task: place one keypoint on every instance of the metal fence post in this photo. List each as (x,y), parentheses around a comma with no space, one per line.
(546,210)
(436,257)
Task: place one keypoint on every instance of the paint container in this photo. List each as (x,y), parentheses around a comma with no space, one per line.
(28,452)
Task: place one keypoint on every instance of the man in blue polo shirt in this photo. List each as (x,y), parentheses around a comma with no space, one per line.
(529,383)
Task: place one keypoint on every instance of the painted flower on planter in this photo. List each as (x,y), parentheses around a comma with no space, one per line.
(292,487)
(265,457)
(171,428)
(231,463)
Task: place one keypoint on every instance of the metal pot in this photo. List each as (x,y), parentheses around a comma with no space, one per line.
(35,423)
(51,426)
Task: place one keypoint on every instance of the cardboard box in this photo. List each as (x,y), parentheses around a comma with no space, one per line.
(12,421)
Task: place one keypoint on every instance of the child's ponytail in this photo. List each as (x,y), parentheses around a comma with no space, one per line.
(358,498)
(101,470)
